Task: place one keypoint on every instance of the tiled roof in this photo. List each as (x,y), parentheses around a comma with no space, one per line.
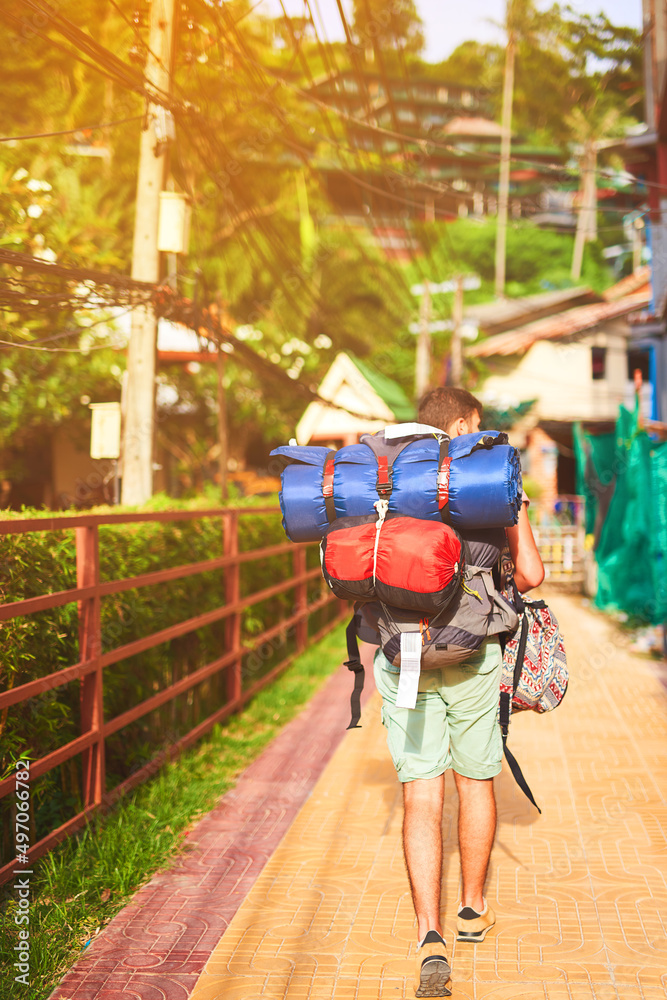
(626,286)
(565,324)
(494,317)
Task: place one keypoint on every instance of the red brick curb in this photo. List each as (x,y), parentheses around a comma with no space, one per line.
(157,946)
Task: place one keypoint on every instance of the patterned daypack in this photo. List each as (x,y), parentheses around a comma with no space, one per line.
(534,674)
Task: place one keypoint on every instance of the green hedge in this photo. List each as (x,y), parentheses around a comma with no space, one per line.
(42,562)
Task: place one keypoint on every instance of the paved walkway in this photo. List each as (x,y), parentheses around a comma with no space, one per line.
(580,891)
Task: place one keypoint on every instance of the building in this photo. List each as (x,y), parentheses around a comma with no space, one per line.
(573,353)
(645,156)
(431,149)
(362,399)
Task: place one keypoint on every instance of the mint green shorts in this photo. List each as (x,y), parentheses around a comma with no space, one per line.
(454,724)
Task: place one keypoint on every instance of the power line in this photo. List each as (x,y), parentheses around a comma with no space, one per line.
(421,142)
(302,152)
(23,260)
(123,74)
(327,121)
(57,350)
(447,147)
(72,131)
(126,76)
(362,82)
(106,62)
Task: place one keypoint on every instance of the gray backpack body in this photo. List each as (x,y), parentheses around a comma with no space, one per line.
(478,610)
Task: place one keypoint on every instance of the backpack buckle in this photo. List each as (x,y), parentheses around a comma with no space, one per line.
(356,666)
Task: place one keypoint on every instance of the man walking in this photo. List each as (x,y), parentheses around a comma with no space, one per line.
(453,726)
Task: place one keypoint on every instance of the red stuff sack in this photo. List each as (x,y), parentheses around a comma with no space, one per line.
(402,561)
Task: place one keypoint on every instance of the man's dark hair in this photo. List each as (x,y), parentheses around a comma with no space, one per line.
(442,406)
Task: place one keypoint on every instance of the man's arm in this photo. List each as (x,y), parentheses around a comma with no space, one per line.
(528,566)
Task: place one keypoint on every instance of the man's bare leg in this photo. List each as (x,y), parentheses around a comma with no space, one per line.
(422,844)
(477,829)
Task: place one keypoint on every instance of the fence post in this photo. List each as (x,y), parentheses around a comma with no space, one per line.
(90,648)
(301,600)
(232,594)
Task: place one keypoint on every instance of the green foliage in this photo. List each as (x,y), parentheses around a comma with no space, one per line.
(393,23)
(86,880)
(54,207)
(476,64)
(564,60)
(536,259)
(43,562)
(504,419)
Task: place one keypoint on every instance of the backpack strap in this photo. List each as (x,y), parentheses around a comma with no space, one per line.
(384,484)
(327,486)
(354,664)
(517,773)
(385,457)
(444,469)
(520,654)
(505,715)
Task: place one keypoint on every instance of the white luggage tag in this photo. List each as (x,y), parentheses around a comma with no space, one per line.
(408,681)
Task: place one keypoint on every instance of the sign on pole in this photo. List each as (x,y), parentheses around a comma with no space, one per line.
(105,430)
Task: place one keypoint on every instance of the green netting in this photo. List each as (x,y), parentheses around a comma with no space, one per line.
(659,526)
(594,459)
(631,550)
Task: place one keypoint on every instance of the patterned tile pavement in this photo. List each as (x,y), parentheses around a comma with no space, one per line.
(157,946)
(580,891)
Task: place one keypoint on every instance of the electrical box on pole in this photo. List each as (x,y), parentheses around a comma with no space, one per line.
(174,222)
(137,452)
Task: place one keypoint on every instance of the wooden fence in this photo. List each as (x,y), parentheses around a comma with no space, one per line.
(92,662)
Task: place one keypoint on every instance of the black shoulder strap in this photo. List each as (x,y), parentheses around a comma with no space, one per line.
(327,486)
(520,653)
(354,664)
(517,773)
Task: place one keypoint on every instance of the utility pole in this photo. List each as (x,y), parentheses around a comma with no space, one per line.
(505,147)
(424,329)
(587,219)
(222,421)
(223,320)
(423,359)
(137,457)
(457,319)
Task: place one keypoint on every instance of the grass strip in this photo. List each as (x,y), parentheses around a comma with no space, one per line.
(86,880)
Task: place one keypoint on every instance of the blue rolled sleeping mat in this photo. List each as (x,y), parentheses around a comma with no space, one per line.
(481,473)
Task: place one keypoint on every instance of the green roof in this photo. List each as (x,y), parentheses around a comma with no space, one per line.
(389,391)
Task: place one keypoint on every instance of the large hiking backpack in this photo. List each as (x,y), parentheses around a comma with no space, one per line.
(448,633)
(427,634)
(433,602)
(472,480)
